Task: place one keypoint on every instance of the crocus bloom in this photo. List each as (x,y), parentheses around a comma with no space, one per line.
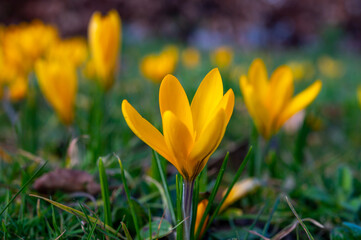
(202,205)
(270,103)
(191,57)
(58,82)
(104,40)
(239,190)
(222,56)
(191,133)
(156,66)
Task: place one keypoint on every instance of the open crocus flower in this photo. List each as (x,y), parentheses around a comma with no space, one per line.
(191,133)
(58,82)
(270,103)
(104,40)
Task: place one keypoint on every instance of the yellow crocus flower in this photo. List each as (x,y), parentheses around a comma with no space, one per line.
(201,208)
(104,41)
(18,88)
(156,66)
(72,49)
(222,56)
(191,133)
(270,103)
(191,57)
(58,83)
(240,190)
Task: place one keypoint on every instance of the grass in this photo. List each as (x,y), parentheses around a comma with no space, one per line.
(323,185)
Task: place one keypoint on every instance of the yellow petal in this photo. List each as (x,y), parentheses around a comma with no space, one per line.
(299,102)
(239,190)
(280,92)
(145,131)
(201,208)
(359,94)
(179,141)
(227,104)
(207,97)
(207,142)
(172,97)
(256,109)
(257,76)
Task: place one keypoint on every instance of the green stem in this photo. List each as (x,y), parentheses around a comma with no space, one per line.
(187,207)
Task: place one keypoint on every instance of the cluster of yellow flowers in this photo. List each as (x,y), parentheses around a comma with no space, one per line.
(37,47)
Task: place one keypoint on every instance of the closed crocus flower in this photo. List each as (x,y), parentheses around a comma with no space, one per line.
(156,66)
(270,103)
(240,190)
(104,41)
(201,208)
(58,83)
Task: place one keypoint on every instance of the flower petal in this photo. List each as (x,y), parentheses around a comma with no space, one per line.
(257,76)
(145,131)
(255,107)
(172,97)
(208,142)
(207,97)
(280,92)
(299,102)
(179,141)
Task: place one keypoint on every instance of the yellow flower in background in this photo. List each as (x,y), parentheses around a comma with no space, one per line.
(222,56)
(301,69)
(36,38)
(330,67)
(270,103)
(201,208)
(156,66)
(72,49)
(191,133)
(240,190)
(104,41)
(18,88)
(58,83)
(191,57)
(359,94)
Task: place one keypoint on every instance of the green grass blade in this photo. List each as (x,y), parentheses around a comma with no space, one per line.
(125,229)
(213,194)
(235,179)
(23,187)
(195,205)
(179,184)
(105,193)
(81,215)
(299,219)
(165,186)
(255,220)
(132,210)
(268,223)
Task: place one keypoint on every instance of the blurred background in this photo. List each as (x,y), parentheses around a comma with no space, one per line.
(246,23)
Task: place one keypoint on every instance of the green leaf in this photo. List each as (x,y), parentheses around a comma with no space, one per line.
(105,193)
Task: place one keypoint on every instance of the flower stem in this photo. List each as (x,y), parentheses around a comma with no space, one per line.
(187,207)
